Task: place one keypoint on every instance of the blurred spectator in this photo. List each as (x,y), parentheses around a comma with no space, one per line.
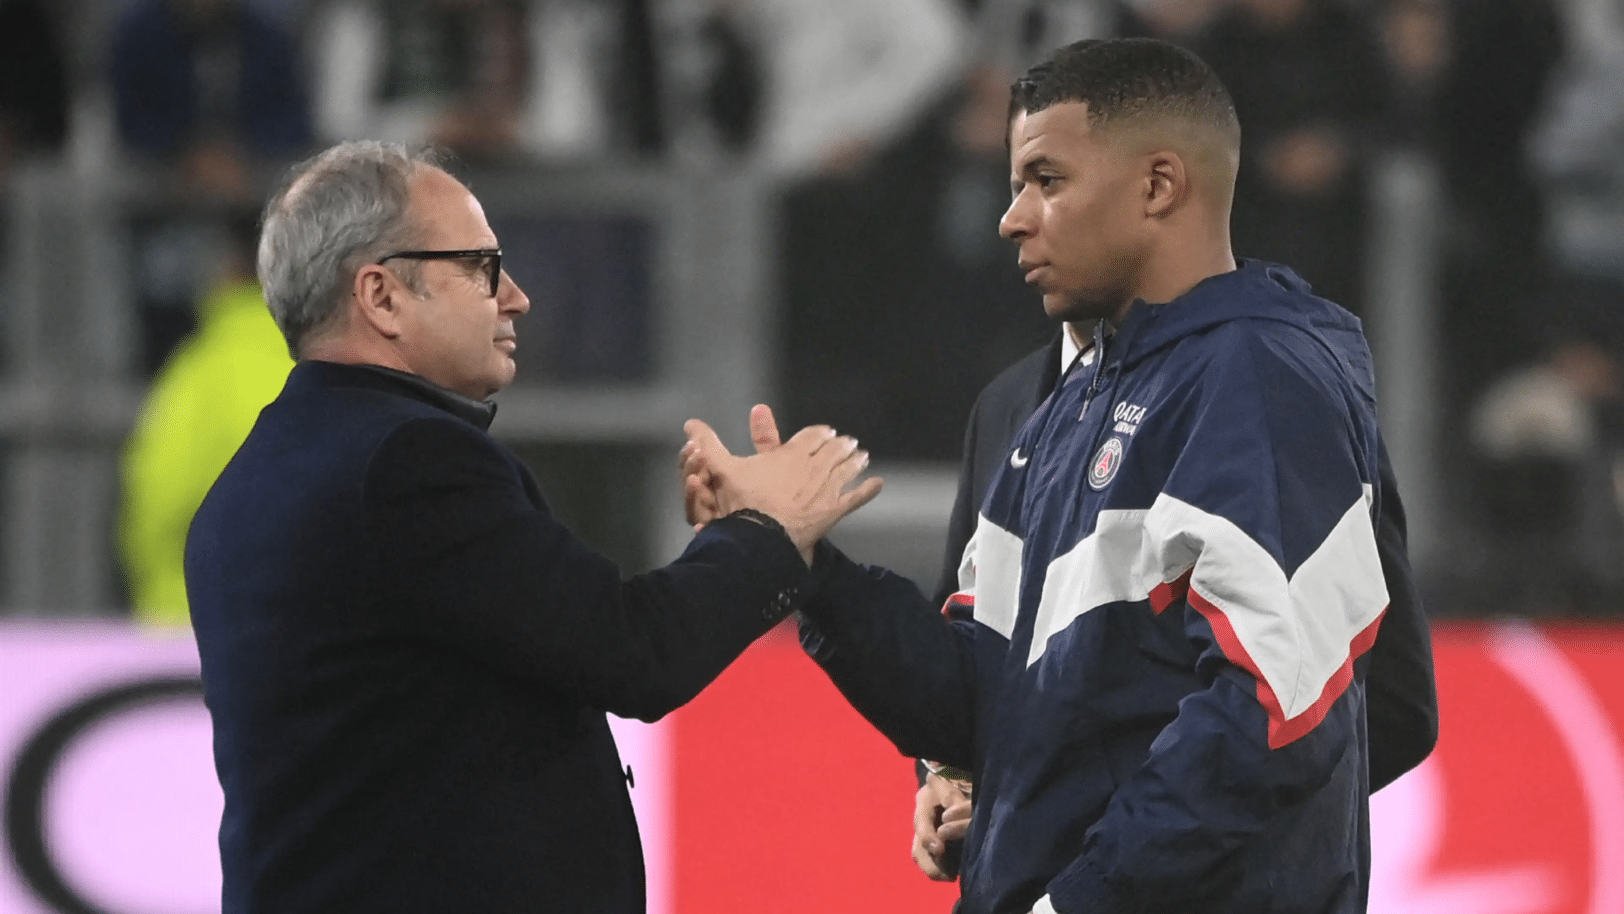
(1548,462)
(849,90)
(33,82)
(1309,85)
(210,88)
(490,79)
(846,78)
(1578,144)
(1178,21)
(1502,57)
(1545,409)
(594,63)
(209,98)
(33,95)
(197,412)
(1414,36)
(806,90)
(1014,34)
(920,269)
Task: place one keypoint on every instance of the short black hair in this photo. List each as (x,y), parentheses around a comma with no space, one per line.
(1123,79)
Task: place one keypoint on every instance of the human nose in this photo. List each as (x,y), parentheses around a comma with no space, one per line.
(1016,223)
(510,296)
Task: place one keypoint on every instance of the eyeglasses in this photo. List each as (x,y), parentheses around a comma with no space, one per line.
(490,260)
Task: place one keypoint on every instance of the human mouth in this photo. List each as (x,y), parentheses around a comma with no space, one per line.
(1032,270)
(507,343)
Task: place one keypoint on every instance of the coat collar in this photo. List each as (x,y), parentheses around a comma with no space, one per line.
(312,374)
(1254,290)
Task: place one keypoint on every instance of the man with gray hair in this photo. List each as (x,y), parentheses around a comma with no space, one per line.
(407,658)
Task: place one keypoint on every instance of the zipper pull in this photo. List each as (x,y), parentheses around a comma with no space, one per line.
(1099,369)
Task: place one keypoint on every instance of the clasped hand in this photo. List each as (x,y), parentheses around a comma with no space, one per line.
(941,819)
(805,483)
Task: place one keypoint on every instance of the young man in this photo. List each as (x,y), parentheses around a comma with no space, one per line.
(1174,573)
(406,657)
(1401,693)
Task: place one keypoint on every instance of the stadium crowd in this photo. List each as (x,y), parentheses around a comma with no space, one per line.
(880,129)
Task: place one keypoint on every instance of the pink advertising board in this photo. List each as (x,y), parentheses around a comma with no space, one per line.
(769,793)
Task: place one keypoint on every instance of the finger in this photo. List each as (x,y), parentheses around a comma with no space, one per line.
(953,831)
(959,810)
(860,495)
(705,481)
(706,444)
(694,465)
(829,462)
(698,501)
(927,816)
(808,440)
(943,790)
(844,467)
(927,863)
(686,454)
(691,496)
(763,428)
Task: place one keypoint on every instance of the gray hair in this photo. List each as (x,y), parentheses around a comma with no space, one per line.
(339,210)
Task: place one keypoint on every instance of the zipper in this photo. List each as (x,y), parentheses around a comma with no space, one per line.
(1100,341)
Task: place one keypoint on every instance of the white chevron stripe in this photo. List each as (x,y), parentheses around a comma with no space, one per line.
(1297,631)
(1105,567)
(991,570)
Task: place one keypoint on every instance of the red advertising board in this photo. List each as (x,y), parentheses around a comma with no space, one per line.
(768,793)
(1521,807)
(787,801)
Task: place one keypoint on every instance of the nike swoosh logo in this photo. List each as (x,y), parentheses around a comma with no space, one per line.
(1016,460)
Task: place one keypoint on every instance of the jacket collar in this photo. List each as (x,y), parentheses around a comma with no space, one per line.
(313,375)
(1254,290)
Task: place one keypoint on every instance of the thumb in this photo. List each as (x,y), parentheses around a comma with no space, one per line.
(763,428)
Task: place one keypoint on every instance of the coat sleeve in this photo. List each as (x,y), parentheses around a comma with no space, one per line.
(1401,693)
(903,665)
(473,564)
(1263,540)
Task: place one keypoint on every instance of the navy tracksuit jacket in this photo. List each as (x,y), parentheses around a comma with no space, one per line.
(1175,578)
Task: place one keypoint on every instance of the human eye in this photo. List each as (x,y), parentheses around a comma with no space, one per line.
(478,268)
(489,266)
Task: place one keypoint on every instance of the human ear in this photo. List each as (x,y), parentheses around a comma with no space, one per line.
(375,296)
(1166,183)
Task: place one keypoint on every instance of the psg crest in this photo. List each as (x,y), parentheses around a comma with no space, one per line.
(1103,468)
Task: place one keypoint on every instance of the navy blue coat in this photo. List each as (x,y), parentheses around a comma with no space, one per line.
(408,660)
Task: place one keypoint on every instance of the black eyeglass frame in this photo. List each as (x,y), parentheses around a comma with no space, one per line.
(493,255)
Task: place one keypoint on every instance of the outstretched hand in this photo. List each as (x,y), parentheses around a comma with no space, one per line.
(802,483)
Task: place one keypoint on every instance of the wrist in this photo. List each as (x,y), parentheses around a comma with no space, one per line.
(760,518)
(763,519)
